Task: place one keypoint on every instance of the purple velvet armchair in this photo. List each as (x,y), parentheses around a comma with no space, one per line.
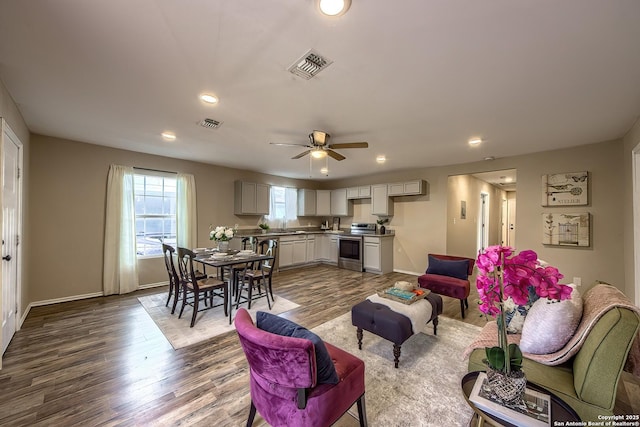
(449,275)
(283,379)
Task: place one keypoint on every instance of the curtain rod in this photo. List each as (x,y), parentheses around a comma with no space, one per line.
(154,170)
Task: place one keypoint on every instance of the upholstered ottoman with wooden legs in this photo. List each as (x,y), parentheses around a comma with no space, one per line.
(394,321)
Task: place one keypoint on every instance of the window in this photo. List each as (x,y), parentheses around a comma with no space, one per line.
(284,206)
(155,206)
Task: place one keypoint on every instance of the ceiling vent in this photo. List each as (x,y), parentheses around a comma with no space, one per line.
(309,65)
(210,123)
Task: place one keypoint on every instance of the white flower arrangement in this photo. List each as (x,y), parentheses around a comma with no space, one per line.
(221,234)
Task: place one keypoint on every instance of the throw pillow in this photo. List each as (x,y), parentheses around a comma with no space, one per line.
(515,315)
(446,267)
(280,326)
(550,325)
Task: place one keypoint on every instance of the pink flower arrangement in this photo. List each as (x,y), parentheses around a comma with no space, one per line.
(502,275)
(517,272)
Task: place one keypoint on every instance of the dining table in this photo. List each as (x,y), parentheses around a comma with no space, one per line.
(235,260)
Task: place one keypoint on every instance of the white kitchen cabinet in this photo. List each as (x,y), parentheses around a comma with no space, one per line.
(362,192)
(378,254)
(311,248)
(322,247)
(408,188)
(285,253)
(323,202)
(292,250)
(307,202)
(340,205)
(251,198)
(381,203)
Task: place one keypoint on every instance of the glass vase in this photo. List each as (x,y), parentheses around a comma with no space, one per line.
(223,245)
(509,388)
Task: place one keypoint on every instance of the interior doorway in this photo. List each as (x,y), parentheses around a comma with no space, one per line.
(465,216)
(483,222)
(11,154)
(636,222)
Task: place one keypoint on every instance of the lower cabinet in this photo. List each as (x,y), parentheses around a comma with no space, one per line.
(378,254)
(292,250)
(311,249)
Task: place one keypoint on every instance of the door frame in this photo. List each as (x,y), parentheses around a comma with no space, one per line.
(5,130)
(636,221)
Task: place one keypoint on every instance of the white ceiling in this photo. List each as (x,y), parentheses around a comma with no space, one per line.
(416,79)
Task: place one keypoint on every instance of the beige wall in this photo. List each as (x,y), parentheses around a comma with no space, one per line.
(462,234)
(421,222)
(68,211)
(68,200)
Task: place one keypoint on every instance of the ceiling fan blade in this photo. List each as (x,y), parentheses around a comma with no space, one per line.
(350,145)
(301,154)
(289,144)
(335,155)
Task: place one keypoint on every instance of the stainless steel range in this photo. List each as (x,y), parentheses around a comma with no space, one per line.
(350,254)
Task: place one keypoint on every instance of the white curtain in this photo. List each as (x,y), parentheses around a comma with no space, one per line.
(186,214)
(120,261)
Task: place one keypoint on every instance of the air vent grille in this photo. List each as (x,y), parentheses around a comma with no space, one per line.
(210,123)
(309,65)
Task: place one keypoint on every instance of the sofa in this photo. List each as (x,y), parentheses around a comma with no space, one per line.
(585,372)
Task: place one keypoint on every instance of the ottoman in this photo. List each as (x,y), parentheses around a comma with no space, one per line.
(391,325)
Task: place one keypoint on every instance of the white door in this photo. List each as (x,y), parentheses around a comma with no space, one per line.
(483,222)
(511,209)
(10,231)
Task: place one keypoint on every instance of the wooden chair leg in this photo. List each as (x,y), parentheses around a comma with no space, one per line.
(176,297)
(196,301)
(462,308)
(250,292)
(184,301)
(362,412)
(252,414)
(226,301)
(170,293)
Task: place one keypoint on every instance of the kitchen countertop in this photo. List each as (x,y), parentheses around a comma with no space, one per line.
(307,232)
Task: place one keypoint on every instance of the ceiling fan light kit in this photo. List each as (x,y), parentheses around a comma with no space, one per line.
(333,7)
(319,147)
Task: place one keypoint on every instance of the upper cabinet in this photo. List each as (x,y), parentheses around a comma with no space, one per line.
(362,192)
(251,198)
(381,203)
(307,200)
(340,205)
(323,202)
(408,188)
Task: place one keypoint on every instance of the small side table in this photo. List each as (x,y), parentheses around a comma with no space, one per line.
(560,411)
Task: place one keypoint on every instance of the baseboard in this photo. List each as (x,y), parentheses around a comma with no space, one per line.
(76,298)
(408,272)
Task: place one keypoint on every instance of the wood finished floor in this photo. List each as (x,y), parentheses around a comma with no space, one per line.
(102,361)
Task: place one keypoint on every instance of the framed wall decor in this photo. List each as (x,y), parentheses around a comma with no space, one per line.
(565,189)
(463,209)
(566,229)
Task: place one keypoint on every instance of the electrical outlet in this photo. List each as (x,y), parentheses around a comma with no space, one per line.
(577,281)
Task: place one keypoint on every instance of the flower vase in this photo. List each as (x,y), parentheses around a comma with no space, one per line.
(223,246)
(383,230)
(509,388)
(264,231)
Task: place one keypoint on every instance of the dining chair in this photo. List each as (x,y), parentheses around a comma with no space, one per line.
(174,279)
(258,276)
(195,290)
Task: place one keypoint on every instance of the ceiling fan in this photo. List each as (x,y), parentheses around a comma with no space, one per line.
(320,147)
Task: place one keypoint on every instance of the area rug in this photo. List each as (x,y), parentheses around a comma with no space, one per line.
(209,323)
(425,389)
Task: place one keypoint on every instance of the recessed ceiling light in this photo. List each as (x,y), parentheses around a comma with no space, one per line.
(168,136)
(334,7)
(208,98)
(508,179)
(381,159)
(475,141)
(324,171)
